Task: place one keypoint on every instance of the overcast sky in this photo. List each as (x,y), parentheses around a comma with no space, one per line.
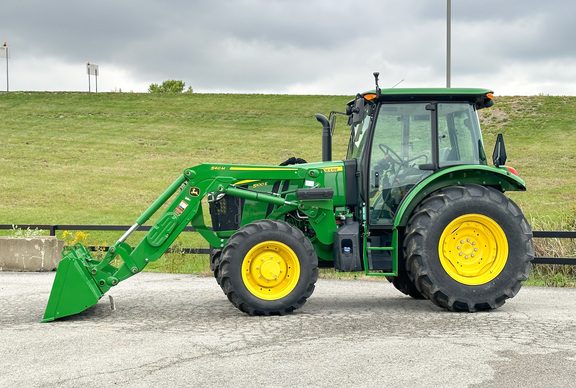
(515,47)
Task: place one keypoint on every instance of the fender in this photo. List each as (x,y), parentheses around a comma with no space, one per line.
(498,177)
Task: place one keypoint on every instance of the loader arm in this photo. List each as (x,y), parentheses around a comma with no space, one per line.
(81,280)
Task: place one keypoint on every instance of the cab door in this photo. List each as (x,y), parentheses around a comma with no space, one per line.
(400,157)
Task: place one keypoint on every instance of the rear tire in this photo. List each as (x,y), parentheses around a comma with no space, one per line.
(404,283)
(468,248)
(268,267)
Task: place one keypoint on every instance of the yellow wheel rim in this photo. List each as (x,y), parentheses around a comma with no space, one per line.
(270,270)
(473,249)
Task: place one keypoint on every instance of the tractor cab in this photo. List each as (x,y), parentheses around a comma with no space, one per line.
(399,137)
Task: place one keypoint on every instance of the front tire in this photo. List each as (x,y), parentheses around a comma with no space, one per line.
(268,267)
(468,248)
(215,257)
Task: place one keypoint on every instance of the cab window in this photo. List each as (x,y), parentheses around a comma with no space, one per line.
(459,138)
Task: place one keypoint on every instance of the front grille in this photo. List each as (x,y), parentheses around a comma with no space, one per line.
(226,213)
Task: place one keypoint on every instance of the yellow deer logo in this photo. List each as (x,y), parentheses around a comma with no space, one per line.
(195,192)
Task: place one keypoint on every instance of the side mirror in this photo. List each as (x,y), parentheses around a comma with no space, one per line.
(499,154)
(358,110)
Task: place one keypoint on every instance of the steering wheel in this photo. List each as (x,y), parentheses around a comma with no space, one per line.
(396,158)
(418,157)
(389,151)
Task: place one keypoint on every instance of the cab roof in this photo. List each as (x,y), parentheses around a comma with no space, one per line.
(483,98)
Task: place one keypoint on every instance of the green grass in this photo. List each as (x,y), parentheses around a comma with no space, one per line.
(539,132)
(78,158)
(102,158)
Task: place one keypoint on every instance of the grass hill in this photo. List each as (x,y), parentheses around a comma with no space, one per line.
(103,158)
(539,132)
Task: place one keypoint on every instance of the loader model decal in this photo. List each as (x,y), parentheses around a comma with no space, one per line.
(333,169)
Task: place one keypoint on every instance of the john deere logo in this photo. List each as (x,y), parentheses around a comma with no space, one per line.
(195,192)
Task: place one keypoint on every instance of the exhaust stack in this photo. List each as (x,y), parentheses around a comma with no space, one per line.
(326,137)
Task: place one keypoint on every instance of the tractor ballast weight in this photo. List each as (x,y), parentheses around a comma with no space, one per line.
(414,201)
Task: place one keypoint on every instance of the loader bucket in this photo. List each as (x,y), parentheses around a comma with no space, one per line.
(74,289)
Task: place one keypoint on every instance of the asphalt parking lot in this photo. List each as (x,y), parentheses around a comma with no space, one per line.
(181,331)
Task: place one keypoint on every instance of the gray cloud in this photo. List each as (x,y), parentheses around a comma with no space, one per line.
(313,46)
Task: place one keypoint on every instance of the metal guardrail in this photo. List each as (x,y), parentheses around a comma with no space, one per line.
(54,228)
(186,251)
(205,251)
(554,260)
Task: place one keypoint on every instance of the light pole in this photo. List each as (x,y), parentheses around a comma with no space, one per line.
(5,53)
(448,40)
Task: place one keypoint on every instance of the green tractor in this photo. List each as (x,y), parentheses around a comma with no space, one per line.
(414,201)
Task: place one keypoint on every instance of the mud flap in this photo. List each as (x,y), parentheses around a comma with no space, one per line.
(74,289)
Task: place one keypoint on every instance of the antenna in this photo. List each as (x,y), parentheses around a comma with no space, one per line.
(398,83)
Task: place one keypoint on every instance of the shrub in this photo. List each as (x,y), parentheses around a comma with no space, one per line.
(25,233)
(169,86)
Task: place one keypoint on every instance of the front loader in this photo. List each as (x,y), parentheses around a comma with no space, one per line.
(414,201)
